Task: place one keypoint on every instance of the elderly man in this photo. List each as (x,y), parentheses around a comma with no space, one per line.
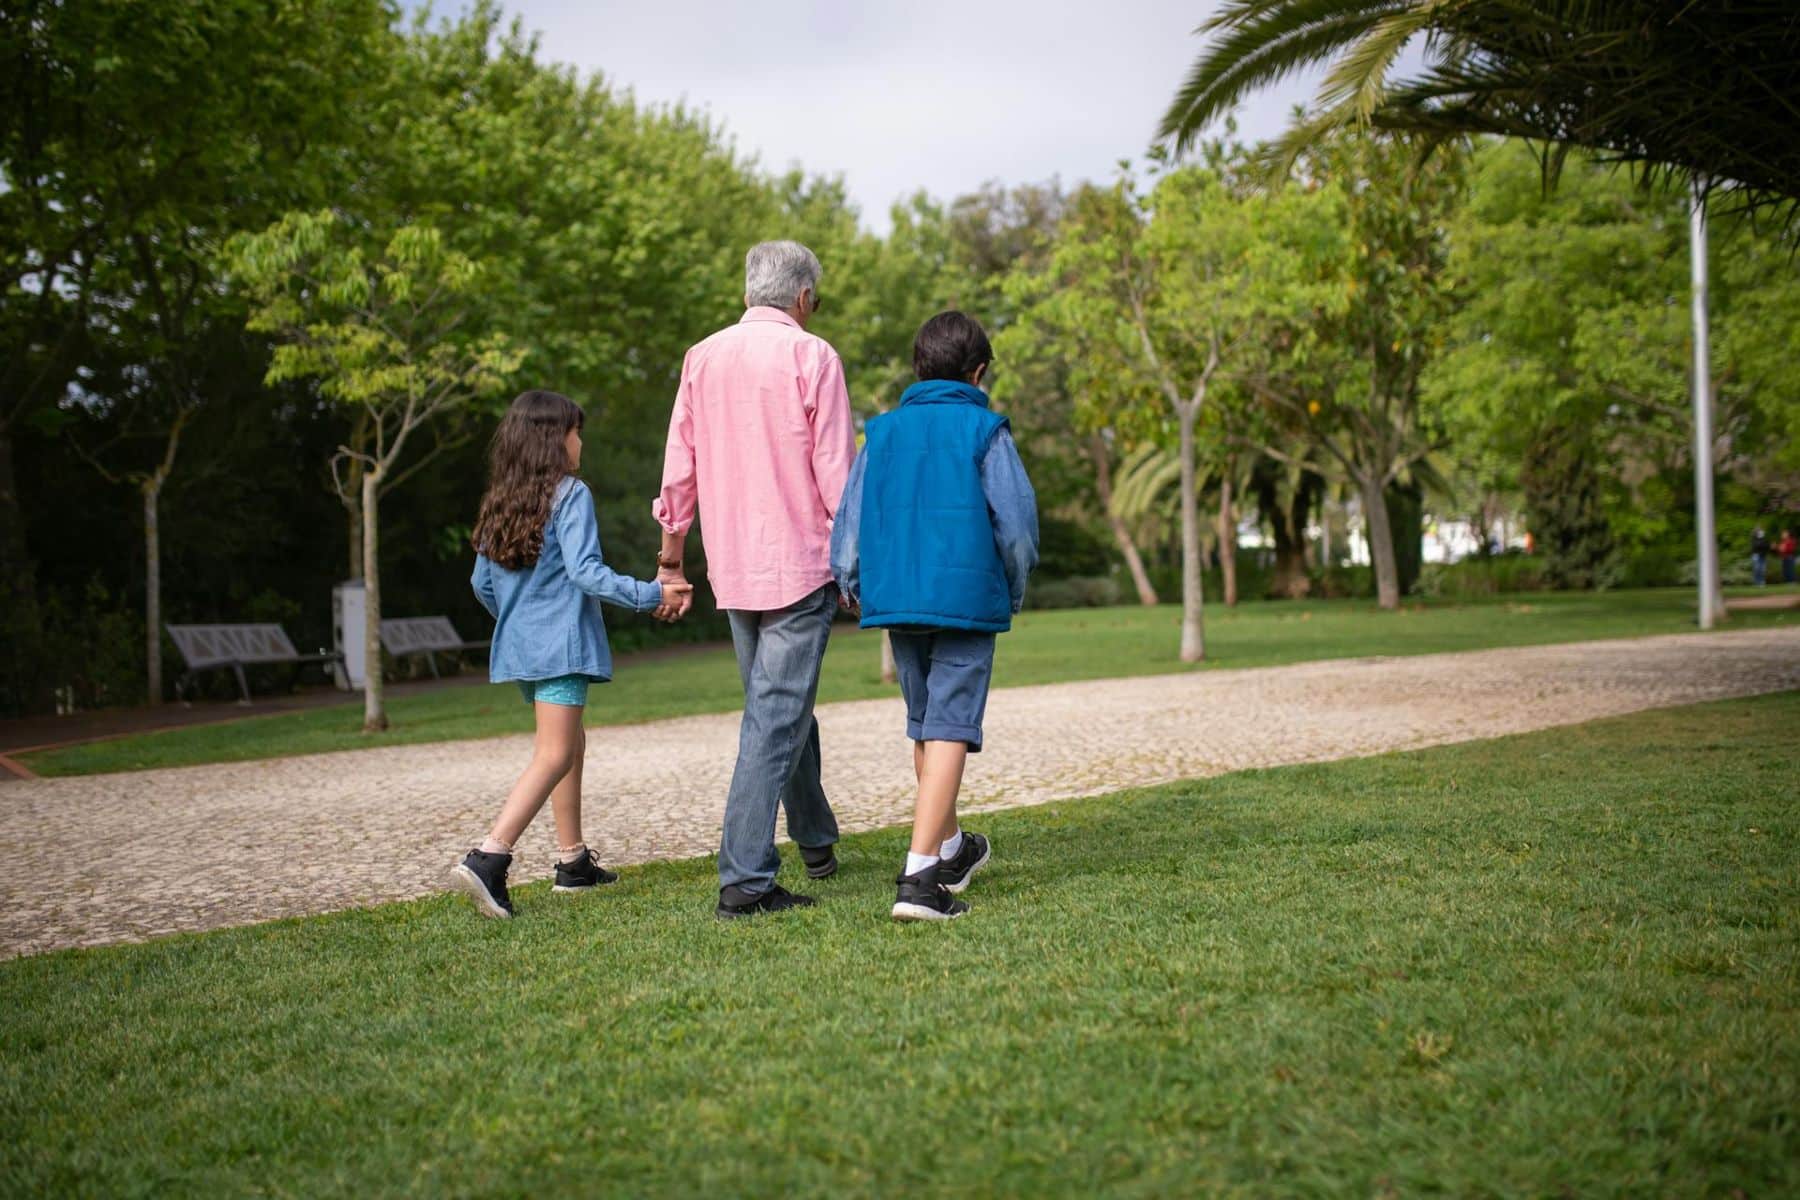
(761,440)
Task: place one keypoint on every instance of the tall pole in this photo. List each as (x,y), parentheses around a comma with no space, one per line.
(1703,435)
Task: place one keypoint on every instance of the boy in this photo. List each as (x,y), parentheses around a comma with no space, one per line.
(935,536)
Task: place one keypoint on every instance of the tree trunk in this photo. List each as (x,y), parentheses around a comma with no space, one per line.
(353,512)
(1228,542)
(1193,634)
(354,525)
(374,712)
(351,492)
(21,622)
(1134,562)
(1381,541)
(152,492)
(889,673)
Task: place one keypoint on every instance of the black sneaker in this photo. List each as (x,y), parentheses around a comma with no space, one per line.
(483,876)
(736,902)
(955,873)
(821,861)
(923,897)
(582,874)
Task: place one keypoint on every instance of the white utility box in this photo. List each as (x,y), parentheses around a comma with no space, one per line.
(349,619)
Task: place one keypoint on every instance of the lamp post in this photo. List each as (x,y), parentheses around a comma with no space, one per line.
(1703,435)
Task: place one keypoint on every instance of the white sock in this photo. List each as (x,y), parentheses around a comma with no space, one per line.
(493,845)
(918,862)
(951,847)
(569,854)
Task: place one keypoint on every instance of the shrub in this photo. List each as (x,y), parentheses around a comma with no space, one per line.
(1079,591)
(1343,582)
(1475,577)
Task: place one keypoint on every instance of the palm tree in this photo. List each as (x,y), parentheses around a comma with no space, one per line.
(1699,88)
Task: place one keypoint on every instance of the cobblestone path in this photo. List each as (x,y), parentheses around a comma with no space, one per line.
(108,858)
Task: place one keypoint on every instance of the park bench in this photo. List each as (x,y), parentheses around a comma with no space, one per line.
(429,636)
(205,647)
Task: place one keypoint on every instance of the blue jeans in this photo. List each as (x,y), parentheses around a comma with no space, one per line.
(779,654)
(1759,568)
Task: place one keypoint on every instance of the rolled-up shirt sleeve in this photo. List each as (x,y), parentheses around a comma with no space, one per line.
(675,504)
(578,532)
(833,432)
(1013,506)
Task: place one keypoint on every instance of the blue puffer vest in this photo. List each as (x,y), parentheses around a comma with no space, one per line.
(927,541)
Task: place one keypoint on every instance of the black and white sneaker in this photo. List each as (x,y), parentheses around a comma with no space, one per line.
(483,876)
(735,902)
(821,861)
(584,874)
(955,873)
(923,897)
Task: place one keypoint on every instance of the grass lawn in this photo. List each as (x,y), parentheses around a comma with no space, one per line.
(1044,647)
(1566,963)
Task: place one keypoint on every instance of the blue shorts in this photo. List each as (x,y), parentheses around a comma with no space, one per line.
(944,675)
(570,691)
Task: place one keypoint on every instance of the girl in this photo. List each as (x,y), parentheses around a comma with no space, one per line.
(538,571)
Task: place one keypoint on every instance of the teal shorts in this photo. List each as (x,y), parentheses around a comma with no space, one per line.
(570,691)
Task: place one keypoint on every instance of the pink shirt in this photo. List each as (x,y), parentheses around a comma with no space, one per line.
(761,440)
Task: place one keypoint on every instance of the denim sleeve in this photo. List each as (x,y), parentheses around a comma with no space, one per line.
(1013,506)
(483,583)
(578,532)
(846,532)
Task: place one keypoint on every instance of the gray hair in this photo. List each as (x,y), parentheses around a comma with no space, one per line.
(775,273)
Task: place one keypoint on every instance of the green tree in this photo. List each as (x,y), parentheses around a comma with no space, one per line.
(393,334)
(1571,351)
(132,138)
(1156,300)
(1347,380)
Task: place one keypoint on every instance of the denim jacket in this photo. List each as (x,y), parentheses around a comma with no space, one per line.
(547,616)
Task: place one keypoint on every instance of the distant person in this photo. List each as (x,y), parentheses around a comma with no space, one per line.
(760,442)
(1759,556)
(1786,547)
(539,571)
(935,538)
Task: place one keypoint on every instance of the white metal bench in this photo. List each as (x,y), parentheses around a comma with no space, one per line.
(205,647)
(429,636)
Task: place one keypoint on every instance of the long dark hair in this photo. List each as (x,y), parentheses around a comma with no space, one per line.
(526,461)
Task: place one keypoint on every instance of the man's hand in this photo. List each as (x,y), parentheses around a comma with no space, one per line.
(849,604)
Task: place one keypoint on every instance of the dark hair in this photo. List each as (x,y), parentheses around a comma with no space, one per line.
(950,346)
(526,461)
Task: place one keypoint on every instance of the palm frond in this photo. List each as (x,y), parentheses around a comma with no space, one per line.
(1271,43)
(1676,88)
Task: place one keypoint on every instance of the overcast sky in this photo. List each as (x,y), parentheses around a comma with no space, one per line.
(939,94)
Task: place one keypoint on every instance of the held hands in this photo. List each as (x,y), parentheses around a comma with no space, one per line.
(677,594)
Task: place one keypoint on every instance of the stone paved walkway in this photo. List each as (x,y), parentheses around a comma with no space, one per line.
(110,858)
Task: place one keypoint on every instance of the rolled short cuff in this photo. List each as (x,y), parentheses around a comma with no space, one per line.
(664,515)
(939,731)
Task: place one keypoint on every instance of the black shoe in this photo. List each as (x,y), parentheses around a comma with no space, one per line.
(582,874)
(734,901)
(955,873)
(483,876)
(821,861)
(923,897)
